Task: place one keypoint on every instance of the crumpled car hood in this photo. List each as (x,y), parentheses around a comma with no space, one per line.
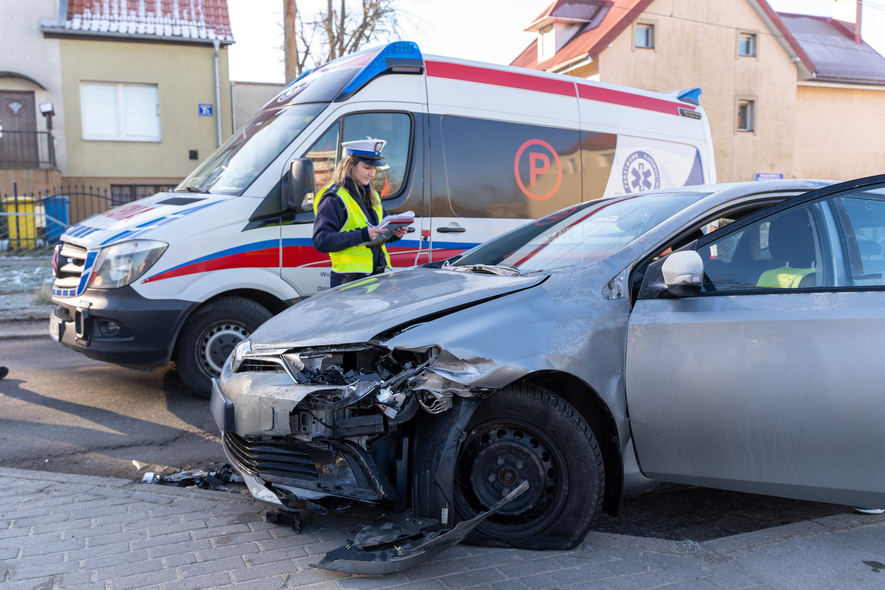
(359,311)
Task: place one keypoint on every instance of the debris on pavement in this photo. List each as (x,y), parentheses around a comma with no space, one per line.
(207,480)
(402,542)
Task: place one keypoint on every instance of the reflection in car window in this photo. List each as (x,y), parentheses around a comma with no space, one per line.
(783,251)
(578,235)
(233,167)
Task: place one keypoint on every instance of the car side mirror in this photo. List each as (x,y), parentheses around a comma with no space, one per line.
(683,273)
(680,274)
(298,186)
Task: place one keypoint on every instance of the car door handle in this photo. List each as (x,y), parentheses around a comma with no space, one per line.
(448,229)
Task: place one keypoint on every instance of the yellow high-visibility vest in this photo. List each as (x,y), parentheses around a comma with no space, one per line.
(357,258)
(784,277)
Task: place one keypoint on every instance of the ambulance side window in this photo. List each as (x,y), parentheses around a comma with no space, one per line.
(497,169)
(324,154)
(396,128)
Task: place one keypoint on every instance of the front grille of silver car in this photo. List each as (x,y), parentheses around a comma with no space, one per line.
(71,261)
(255,365)
(277,461)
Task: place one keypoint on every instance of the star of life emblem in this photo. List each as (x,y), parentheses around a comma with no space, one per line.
(640,173)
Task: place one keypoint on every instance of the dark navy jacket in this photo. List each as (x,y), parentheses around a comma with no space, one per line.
(331,217)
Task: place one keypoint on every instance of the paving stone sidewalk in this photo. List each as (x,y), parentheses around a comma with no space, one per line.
(68,531)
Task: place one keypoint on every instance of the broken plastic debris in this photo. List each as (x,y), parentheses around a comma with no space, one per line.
(404,542)
(150,477)
(206,480)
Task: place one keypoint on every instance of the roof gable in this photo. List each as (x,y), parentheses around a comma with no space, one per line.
(181,20)
(608,20)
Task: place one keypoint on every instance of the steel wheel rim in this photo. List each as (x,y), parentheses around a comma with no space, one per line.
(495,458)
(217,344)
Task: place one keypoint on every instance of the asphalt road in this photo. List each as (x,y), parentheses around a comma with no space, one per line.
(62,412)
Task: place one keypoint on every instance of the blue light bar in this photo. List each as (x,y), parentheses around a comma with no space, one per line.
(691,96)
(401,57)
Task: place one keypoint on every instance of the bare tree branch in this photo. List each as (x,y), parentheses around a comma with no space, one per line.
(343,27)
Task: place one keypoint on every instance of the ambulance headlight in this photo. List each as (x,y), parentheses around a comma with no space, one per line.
(121,264)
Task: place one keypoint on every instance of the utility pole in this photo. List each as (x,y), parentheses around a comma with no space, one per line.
(290,44)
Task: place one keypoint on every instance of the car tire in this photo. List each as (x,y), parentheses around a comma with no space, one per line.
(209,336)
(527,433)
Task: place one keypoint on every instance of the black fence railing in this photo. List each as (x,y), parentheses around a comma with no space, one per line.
(26,149)
(33,222)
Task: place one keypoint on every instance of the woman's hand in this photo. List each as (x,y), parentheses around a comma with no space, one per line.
(374,232)
(401,231)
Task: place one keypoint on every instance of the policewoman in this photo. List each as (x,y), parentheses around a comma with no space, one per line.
(347,209)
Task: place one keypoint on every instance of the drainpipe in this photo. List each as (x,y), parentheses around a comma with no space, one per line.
(217,95)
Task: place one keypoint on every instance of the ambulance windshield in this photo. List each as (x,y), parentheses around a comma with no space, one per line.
(235,165)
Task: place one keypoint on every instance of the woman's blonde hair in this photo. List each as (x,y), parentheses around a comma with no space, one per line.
(342,173)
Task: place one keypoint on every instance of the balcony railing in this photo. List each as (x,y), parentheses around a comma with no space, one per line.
(26,149)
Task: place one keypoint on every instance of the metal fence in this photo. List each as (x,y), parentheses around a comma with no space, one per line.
(26,149)
(31,224)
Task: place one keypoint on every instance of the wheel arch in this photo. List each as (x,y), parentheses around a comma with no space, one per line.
(598,416)
(266,300)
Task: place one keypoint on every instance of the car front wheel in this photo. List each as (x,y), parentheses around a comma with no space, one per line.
(521,434)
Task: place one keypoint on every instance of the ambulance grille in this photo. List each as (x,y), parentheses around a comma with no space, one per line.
(71,261)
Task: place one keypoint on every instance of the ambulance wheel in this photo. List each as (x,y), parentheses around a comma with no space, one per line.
(526,433)
(209,336)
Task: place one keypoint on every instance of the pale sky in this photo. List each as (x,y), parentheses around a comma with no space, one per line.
(482,30)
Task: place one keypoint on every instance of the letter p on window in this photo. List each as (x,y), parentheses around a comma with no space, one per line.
(539,164)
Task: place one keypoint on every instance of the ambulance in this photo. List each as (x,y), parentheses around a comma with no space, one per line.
(473,150)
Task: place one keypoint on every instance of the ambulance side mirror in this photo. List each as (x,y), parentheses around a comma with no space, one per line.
(298,186)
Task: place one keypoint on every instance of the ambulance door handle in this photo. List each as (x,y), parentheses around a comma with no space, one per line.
(452,228)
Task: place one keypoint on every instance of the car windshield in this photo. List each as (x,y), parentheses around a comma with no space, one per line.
(235,165)
(577,235)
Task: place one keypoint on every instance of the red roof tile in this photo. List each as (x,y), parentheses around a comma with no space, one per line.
(591,39)
(198,20)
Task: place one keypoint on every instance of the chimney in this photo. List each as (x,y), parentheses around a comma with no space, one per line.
(849,12)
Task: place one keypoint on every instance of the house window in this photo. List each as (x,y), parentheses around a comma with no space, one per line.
(120,112)
(746,115)
(747,45)
(548,42)
(645,36)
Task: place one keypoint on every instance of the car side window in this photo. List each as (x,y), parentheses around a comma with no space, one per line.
(687,237)
(786,250)
(395,128)
(863,223)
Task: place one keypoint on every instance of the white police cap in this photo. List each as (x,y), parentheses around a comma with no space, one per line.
(368,150)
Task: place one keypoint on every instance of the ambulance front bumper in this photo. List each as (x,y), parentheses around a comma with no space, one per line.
(119,326)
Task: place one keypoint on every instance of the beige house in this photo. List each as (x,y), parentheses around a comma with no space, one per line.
(791,95)
(139,90)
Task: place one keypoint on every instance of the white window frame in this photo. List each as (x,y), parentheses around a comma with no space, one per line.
(123,123)
(750,118)
(649,36)
(751,37)
(547,42)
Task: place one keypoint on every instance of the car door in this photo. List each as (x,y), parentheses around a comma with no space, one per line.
(769,379)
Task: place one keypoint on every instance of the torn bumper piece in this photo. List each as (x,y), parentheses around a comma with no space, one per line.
(311,471)
(397,545)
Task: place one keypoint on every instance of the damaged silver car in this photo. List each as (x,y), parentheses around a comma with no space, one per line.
(576,361)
